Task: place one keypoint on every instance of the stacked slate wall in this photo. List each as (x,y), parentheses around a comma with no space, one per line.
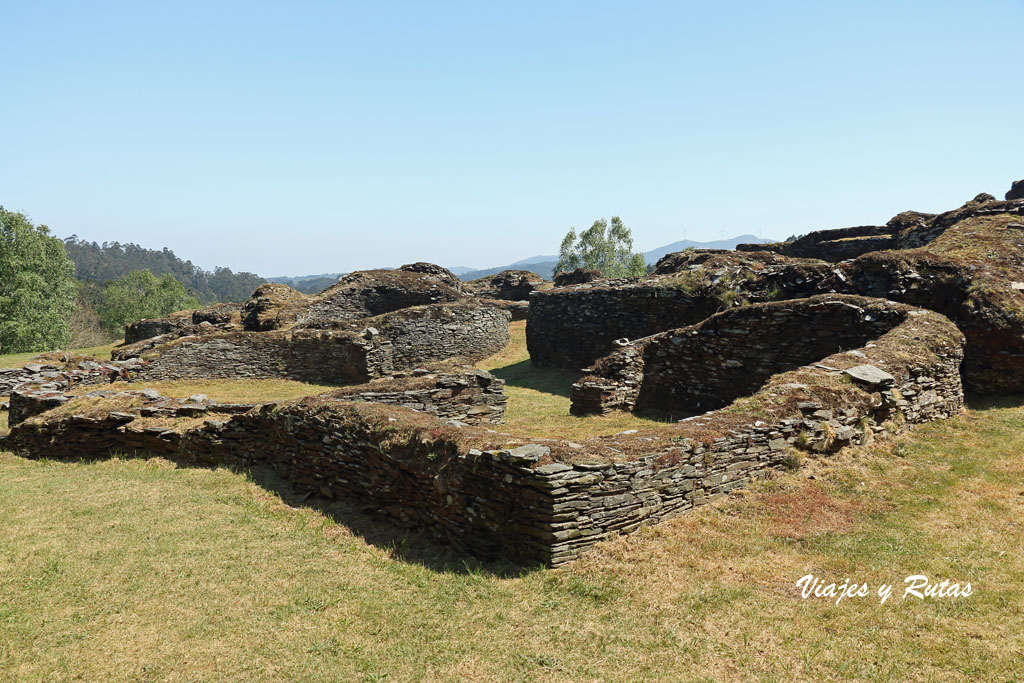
(470,397)
(520,503)
(318,356)
(573,327)
(703,367)
(182,322)
(351,302)
(81,372)
(368,348)
(832,245)
(432,333)
(467,396)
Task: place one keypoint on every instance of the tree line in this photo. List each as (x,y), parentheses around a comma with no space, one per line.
(109,261)
(72,293)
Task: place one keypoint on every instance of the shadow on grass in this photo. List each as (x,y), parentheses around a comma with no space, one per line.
(547,380)
(362,516)
(413,545)
(989,402)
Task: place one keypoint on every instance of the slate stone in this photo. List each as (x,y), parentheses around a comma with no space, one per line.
(869,374)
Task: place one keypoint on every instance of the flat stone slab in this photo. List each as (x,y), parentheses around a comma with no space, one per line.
(869,374)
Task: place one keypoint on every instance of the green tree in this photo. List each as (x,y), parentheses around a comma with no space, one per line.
(608,249)
(140,294)
(37,286)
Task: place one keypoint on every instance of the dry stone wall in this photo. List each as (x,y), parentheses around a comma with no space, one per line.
(702,367)
(970,272)
(832,245)
(432,333)
(79,371)
(537,502)
(318,356)
(469,397)
(572,327)
(365,294)
(222,316)
(511,285)
(362,350)
(460,397)
(278,331)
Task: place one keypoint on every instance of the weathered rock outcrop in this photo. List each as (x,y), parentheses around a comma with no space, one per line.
(272,306)
(512,285)
(361,294)
(832,245)
(577,277)
(368,293)
(147,328)
(439,273)
(1016,190)
(225,316)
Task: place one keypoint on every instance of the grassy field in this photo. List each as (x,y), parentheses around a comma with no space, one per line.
(138,569)
(538,400)
(16,360)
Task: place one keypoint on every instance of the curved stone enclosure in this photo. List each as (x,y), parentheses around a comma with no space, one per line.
(538,500)
(316,356)
(970,270)
(368,349)
(694,369)
(369,325)
(571,327)
(764,353)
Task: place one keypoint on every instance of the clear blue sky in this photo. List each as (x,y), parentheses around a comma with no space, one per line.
(295,138)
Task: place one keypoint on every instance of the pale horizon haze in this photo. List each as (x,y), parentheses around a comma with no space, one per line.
(302,138)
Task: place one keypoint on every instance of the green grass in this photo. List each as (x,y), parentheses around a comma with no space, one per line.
(538,399)
(16,360)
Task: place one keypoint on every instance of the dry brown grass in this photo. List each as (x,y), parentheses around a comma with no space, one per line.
(807,508)
(223,390)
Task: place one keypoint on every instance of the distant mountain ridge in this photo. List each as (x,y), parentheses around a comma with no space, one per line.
(545,265)
(653,255)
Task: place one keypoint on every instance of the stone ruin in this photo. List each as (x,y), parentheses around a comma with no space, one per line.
(699,368)
(966,264)
(534,500)
(460,396)
(370,325)
(748,357)
(512,285)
